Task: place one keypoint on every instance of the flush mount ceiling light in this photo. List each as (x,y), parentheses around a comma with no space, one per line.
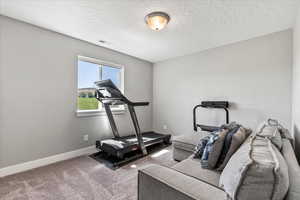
(157,20)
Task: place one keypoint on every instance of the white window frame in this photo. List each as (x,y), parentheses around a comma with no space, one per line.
(87,113)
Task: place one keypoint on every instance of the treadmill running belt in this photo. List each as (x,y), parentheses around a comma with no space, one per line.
(114,163)
(131,140)
(120,146)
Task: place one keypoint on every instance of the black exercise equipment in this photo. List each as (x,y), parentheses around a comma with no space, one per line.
(121,147)
(210,104)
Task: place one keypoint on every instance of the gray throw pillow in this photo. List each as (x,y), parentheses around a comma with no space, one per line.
(237,139)
(232,129)
(270,129)
(285,133)
(213,149)
(256,171)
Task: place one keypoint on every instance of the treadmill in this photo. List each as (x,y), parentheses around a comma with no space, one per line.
(120,146)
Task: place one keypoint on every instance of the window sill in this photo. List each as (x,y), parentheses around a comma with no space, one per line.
(92,113)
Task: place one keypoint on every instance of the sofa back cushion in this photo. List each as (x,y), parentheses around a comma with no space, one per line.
(256,171)
(294,170)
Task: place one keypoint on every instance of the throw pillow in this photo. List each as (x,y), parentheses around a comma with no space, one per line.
(237,139)
(232,129)
(285,133)
(213,149)
(270,129)
(256,171)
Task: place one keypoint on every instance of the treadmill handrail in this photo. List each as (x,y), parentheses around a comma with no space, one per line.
(118,100)
(116,94)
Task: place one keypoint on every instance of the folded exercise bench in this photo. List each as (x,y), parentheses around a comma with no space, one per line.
(184,145)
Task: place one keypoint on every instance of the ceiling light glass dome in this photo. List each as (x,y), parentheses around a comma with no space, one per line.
(157,20)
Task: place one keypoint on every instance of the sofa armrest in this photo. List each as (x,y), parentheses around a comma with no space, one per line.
(162,183)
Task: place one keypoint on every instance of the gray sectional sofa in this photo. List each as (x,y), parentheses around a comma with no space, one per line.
(187,180)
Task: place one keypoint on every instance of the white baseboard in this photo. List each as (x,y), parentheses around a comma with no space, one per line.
(45,161)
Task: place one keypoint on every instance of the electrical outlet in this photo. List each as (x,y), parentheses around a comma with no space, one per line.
(165,127)
(86,138)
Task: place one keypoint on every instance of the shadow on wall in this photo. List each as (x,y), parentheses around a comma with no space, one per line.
(249,115)
(297,142)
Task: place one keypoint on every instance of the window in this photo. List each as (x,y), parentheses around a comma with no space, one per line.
(89,71)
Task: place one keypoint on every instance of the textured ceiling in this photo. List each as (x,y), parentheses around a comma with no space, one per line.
(195,24)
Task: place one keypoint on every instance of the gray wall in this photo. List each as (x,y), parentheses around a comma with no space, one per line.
(38,92)
(296,86)
(254,75)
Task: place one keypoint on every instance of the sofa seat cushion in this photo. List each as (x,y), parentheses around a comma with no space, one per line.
(188,142)
(156,182)
(192,167)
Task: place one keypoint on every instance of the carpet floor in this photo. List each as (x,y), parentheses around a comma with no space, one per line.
(80,178)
